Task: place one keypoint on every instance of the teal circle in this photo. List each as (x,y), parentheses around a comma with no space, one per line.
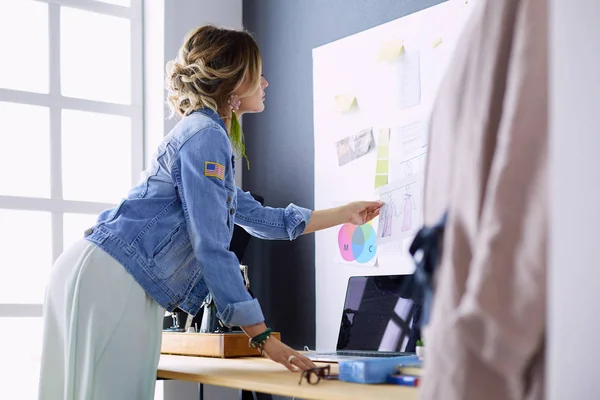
(364,247)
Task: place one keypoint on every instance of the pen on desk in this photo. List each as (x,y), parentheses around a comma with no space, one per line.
(404,380)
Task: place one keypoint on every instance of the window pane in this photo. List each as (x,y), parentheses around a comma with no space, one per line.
(25,55)
(126,3)
(25,173)
(21,347)
(95,56)
(25,255)
(96,156)
(74,225)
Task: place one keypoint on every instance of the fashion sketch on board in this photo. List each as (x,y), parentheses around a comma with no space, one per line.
(387,214)
(407,209)
(400,215)
(413,166)
(409,168)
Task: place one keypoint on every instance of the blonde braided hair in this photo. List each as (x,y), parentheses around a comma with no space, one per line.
(210,66)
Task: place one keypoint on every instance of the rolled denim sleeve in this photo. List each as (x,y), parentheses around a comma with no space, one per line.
(204,200)
(270,223)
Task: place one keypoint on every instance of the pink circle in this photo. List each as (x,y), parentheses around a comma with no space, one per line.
(345,241)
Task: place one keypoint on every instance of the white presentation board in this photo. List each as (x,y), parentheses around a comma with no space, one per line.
(373,93)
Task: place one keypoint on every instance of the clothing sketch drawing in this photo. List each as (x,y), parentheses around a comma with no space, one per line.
(407,208)
(413,166)
(387,217)
(408,168)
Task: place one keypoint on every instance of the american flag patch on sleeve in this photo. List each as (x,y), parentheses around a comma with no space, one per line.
(214,169)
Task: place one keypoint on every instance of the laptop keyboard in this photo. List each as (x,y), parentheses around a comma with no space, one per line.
(349,353)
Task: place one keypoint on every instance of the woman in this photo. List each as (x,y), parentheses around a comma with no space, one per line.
(166,244)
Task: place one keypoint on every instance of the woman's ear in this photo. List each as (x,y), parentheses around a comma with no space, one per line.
(235,102)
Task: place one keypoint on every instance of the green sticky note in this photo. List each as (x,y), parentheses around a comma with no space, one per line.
(382,167)
(383,152)
(380,180)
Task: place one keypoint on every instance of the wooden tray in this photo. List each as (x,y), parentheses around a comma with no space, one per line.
(222,345)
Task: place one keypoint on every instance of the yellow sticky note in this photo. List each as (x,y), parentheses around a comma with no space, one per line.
(380,180)
(382,167)
(383,152)
(391,50)
(436,42)
(345,102)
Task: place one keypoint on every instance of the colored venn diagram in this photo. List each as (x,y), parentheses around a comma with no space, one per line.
(357,243)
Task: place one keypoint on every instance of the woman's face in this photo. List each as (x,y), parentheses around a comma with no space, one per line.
(254,102)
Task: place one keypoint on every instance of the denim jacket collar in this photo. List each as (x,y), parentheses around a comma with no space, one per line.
(209,112)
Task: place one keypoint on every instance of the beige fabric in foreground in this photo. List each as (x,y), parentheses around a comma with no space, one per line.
(488,164)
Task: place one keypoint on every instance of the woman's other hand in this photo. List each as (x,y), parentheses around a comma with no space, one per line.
(281,353)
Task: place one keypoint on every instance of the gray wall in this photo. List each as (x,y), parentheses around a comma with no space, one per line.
(280,140)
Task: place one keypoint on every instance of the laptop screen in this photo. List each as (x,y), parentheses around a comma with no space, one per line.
(378,314)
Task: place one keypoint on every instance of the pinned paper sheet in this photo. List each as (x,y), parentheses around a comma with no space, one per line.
(344,102)
(383,151)
(355,146)
(409,76)
(357,245)
(401,215)
(391,50)
(380,180)
(383,167)
(383,155)
(395,254)
(383,137)
(408,150)
(436,43)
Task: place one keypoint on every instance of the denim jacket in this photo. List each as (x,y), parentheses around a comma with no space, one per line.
(173,230)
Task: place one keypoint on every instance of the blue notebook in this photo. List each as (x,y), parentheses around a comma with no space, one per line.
(375,370)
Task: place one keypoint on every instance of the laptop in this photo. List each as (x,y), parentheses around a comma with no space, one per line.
(377,319)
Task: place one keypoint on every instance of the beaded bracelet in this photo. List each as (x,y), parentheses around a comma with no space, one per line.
(258,341)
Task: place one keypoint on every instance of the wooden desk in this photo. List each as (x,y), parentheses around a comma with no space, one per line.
(262,375)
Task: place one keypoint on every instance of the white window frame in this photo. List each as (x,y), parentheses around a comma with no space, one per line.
(56,102)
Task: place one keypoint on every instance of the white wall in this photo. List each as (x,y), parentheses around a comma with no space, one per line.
(165,25)
(574,286)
